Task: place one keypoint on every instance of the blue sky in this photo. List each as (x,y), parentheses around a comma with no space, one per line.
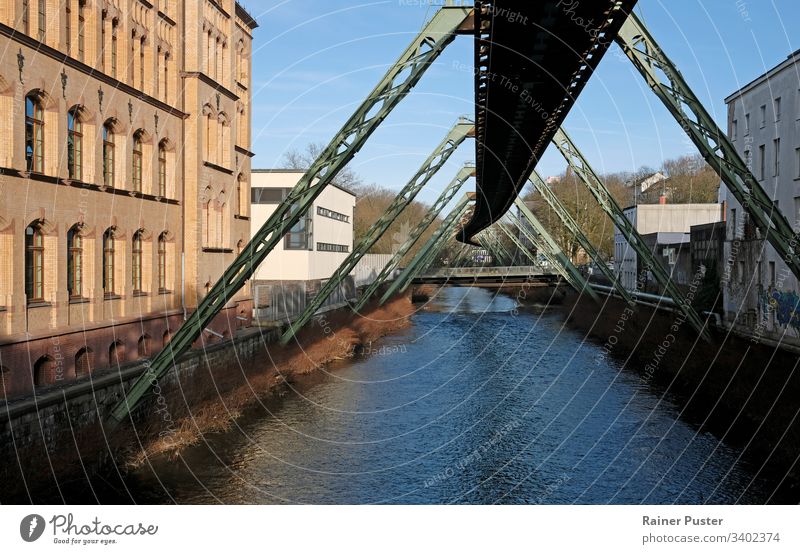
(315,61)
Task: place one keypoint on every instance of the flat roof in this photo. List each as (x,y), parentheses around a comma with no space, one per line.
(301,172)
(791,59)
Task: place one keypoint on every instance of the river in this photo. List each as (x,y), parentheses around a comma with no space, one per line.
(474,403)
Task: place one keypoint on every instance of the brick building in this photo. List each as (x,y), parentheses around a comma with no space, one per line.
(124,177)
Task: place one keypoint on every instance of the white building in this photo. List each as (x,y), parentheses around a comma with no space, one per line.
(759,291)
(672,221)
(318,244)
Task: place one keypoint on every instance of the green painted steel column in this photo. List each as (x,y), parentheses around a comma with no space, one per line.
(666,81)
(567,220)
(447,195)
(393,87)
(555,249)
(406,196)
(431,247)
(584,171)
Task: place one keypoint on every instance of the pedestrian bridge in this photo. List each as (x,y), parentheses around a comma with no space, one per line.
(487,276)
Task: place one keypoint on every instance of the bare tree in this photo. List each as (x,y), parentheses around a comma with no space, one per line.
(302,159)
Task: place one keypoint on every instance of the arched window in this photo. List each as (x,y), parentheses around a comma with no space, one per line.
(136,261)
(83,362)
(68,18)
(108,154)
(209,133)
(241,195)
(141,64)
(75,262)
(44,371)
(108,262)
(136,162)
(143,346)
(74,144)
(26,22)
(34,263)
(162,262)
(116,354)
(34,133)
(165,338)
(162,169)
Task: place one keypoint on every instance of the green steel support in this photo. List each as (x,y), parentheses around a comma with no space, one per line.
(493,241)
(669,85)
(461,255)
(447,195)
(406,196)
(433,246)
(567,220)
(543,249)
(393,87)
(518,243)
(590,179)
(561,260)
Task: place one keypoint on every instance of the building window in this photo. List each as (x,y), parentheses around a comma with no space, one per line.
(734,129)
(162,169)
(777,160)
(777,106)
(166,77)
(75,262)
(26,22)
(109,265)
(241,196)
(34,134)
(81,29)
(83,363)
(136,262)
(74,144)
(141,64)
(265,195)
(68,33)
(747,124)
(114,25)
(325,212)
(299,236)
(34,263)
(763,119)
(162,262)
(42,19)
(136,162)
(762,154)
(44,371)
(328,247)
(143,346)
(742,273)
(734,229)
(108,155)
(772,274)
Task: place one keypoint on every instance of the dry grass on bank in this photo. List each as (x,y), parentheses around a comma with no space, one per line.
(336,336)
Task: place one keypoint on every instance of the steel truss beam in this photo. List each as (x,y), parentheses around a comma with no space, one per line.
(434,244)
(493,240)
(406,196)
(550,248)
(669,85)
(518,243)
(590,179)
(447,195)
(569,222)
(393,87)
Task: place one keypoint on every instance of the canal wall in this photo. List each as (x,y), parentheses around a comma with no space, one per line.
(60,438)
(745,393)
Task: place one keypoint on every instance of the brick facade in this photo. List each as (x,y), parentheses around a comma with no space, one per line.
(125,124)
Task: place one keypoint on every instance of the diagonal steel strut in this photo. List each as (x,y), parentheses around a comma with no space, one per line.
(518,243)
(549,247)
(669,85)
(431,247)
(590,179)
(393,87)
(430,167)
(569,222)
(447,195)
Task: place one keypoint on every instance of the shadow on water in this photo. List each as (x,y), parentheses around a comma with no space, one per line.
(475,403)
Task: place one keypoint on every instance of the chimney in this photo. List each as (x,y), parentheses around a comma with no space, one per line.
(662,199)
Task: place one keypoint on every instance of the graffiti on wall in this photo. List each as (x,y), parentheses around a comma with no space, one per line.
(784,304)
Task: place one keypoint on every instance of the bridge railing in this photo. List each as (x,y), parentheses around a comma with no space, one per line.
(503,271)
